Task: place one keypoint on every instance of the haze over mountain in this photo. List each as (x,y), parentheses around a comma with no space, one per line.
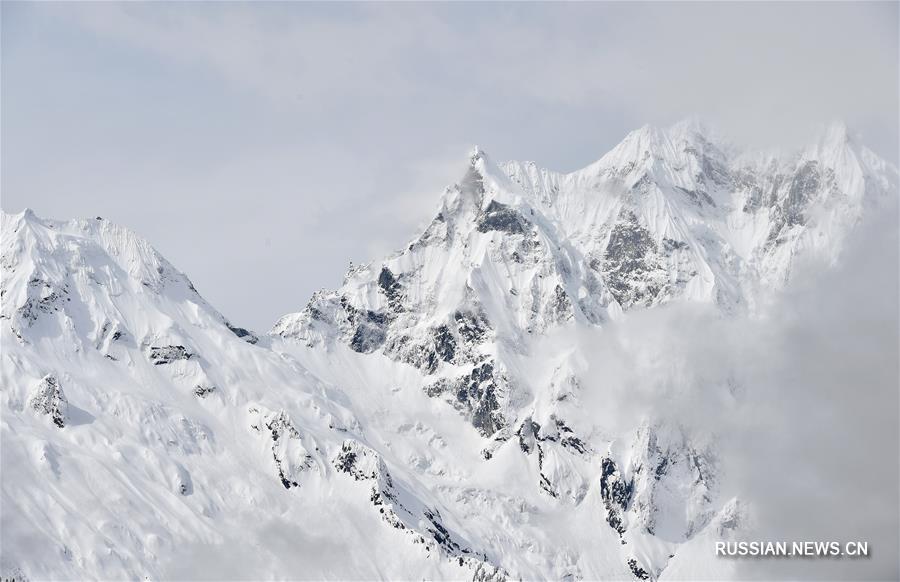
(243,138)
(492,401)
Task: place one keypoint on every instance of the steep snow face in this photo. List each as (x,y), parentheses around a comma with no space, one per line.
(144,435)
(77,280)
(489,271)
(427,419)
(713,224)
(515,251)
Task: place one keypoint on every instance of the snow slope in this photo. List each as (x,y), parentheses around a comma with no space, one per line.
(431,418)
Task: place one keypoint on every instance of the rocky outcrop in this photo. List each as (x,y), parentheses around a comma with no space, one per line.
(391,288)
(402,510)
(202,390)
(289,454)
(632,268)
(360,462)
(246,335)
(160,355)
(502,218)
(675,482)
(616,493)
(667,489)
(43,297)
(552,443)
(48,399)
(479,395)
(515,251)
(637,570)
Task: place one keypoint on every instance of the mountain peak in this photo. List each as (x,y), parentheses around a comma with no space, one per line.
(837,129)
(662,153)
(639,145)
(26,215)
(833,145)
(647,135)
(476,154)
(691,126)
(836,135)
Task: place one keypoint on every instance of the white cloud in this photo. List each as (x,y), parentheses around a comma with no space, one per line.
(358,113)
(803,401)
(767,72)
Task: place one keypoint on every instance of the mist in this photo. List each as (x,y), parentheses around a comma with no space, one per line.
(815,446)
(264,147)
(800,400)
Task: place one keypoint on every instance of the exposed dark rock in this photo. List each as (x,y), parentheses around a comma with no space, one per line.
(359,461)
(804,185)
(543,480)
(444,343)
(643,184)
(566,437)
(659,455)
(314,312)
(203,391)
(391,288)
(364,464)
(746,181)
(167,354)
(436,233)
(375,318)
(636,569)
(500,217)
(497,439)
(560,307)
(477,395)
(48,398)
(473,183)
(440,534)
(661,468)
(527,434)
(422,354)
(790,210)
(532,438)
(42,298)
(242,333)
(282,428)
(290,456)
(367,337)
(472,326)
(426,352)
(631,267)
(615,492)
(369,327)
(671,245)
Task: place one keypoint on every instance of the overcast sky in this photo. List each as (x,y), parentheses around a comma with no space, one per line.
(262,147)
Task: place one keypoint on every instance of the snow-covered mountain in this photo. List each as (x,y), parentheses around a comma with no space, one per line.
(432,417)
(515,251)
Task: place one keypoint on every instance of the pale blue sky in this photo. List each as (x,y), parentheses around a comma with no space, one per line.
(261,147)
